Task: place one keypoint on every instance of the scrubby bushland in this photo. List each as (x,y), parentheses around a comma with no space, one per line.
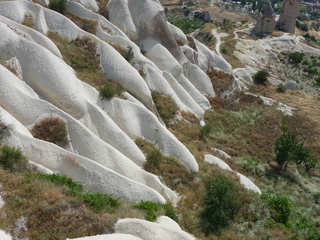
(52,130)
(12,159)
(166,106)
(261,77)
(58,6)
(220,205)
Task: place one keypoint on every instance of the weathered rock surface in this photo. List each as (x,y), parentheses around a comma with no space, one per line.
(266,21)
(288,16)
(163,229)
(292,85)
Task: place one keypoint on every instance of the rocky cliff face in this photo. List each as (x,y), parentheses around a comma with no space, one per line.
(288,16)
(266,21)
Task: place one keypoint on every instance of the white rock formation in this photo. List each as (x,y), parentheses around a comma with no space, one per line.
(163,229)
(285,109)
(248,184)
(114,236)
(217,161)
(4,235)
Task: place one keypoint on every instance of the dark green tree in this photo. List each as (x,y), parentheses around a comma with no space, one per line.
(261,77)
(284,147)
(296,57)
(221,204)
(58,6)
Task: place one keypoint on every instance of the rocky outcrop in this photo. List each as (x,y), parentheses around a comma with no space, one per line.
(266,21)
(288,16)
(204,15)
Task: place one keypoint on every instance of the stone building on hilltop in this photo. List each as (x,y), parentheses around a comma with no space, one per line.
(266,21)
(288,16)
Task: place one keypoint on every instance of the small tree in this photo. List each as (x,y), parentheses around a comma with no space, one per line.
(220,204)
(261,77)
(287,149)
(284,147)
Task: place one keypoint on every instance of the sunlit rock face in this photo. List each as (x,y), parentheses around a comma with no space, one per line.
(288,16)
(266,21)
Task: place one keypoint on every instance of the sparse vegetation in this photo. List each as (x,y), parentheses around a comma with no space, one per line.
(110,89)
(172,171)
(166,106)
(53,130)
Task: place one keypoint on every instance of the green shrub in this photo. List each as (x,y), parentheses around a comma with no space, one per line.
(281,88)
(282,207)
(58,6)
(12,159)
(52,130)
(224,51)
(206,130)
(220,205)
(100,202)
(128,54)
(154,157)
(74,188)
(109,90)
(151,208)
(170,212)
(261,77)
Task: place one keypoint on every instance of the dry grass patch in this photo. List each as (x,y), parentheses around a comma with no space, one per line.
(172,172)
(85,24)
(103,10)
(166,106)
(46,211)
(220,80)
(80,54)
(52,130)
